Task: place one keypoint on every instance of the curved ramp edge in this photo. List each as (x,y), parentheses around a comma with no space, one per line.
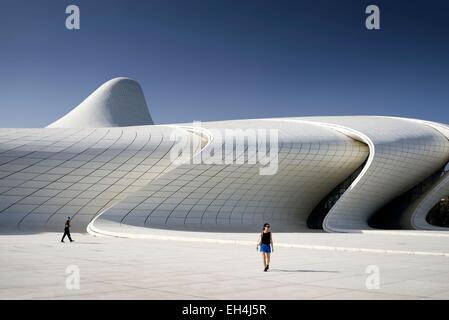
(235,197)
(199,137)
(416,214)
(402,154)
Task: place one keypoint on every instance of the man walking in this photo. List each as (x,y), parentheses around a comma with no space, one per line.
(67,230)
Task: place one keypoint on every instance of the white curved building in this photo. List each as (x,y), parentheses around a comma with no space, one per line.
(106,165)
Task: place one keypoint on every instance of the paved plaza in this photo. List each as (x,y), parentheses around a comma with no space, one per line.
(193,266)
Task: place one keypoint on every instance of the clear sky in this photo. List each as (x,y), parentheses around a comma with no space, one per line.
(218,60)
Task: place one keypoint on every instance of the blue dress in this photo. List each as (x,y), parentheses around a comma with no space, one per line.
(265,246)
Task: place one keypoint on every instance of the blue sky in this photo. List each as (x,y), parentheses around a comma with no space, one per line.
(218,60)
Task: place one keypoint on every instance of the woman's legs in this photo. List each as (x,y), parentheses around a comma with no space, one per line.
(264,259)
(268,258)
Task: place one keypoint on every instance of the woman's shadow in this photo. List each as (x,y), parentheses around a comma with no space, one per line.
(302,270)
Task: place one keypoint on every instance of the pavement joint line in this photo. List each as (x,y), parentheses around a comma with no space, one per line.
(95,231)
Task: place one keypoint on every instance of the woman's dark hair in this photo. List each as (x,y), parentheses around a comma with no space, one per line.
(265,225)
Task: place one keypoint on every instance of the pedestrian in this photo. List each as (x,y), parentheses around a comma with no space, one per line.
(67,230)
(265,244)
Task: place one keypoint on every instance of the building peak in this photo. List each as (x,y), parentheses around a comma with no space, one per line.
(118,102)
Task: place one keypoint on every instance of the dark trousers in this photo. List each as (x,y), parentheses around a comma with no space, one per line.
(66,233)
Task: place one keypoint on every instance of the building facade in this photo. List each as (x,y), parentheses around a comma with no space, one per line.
(107,165)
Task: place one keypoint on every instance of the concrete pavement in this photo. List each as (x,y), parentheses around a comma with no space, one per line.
(34,267)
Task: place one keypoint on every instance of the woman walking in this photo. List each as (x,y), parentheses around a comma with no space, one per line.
(266,245)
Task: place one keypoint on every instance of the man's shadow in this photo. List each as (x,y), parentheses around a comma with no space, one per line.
(82,242)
